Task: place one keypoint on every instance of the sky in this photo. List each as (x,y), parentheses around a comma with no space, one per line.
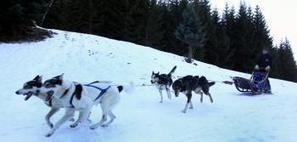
(280,17)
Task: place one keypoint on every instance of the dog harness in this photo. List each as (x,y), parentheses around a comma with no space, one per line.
(102,91)
(76,91)
(71,99)
(49,103)
(65,93)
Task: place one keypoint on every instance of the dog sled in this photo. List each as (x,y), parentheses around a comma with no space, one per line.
(257,84)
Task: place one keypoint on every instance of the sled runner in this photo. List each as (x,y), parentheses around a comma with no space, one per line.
(256,85)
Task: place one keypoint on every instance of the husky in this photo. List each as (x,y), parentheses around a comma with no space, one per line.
(31,88)
(163,81)
(190,83)
(83,97)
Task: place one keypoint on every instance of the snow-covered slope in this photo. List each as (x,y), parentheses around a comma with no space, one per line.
(140,116)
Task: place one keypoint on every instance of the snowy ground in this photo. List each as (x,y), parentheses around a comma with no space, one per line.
(140,117)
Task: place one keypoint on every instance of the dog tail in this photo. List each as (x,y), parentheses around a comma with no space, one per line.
(120,88)
(172,71)
(211,83)
(126,88)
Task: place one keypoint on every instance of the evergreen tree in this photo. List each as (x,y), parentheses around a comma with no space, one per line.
(243,40)
(218,50)
(285,62)
(275,70)
(59,16)
(85,15)
(154,30)
(190,30)
(172,18)
(18,19)
(203,10)
(262,37)
(228,24)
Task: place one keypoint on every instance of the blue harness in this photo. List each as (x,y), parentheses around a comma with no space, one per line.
(102,91)
(71,99)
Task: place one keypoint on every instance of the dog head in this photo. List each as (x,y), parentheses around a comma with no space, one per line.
(31,87)
(51,86)
(177,87)
(154,77)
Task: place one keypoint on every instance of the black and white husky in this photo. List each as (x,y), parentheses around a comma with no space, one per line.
(163,82)
(190,83)
(30,87)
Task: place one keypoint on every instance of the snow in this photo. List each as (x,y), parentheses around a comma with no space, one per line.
(140,117)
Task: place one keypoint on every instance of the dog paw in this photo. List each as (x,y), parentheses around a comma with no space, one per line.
(49,134)
(161,102)
(184,111)
(51,125)
(89,120)
(73,125)
(191,107)
(93,127)
(104,125)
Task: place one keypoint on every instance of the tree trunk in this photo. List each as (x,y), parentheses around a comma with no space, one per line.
(190,54)
(47,10)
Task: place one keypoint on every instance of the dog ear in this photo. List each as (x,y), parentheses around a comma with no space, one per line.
(38,78)
(60,77)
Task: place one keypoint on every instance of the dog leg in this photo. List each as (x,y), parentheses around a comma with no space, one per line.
(189,97)
(89,120)
(72,119)
(168,93)
(160,91)
(86,115)
(49,115)
(103,119)
(186,108)
(211,100)
(191,105)
(83,117)
(112,117)
(201,97)
(105,110)
(68,115)
(78,120)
